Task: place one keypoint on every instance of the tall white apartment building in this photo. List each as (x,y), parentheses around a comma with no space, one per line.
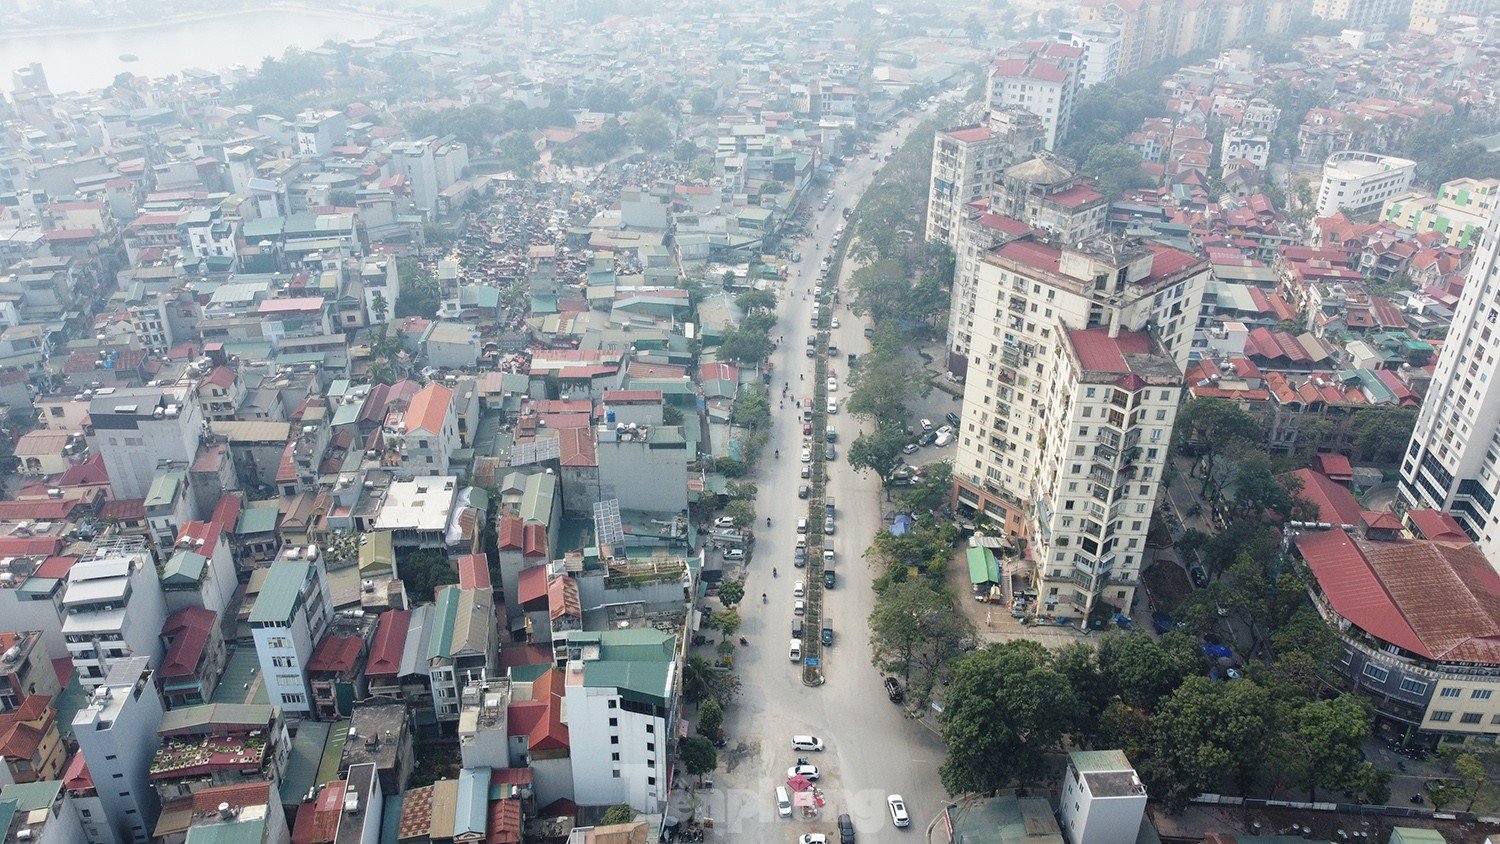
(291,613)
(1108,421)
(967,163)
(1100,43)
(1026,376)
(1042,195)
(1451,463)
(1042,78)
(117,733)
(113,610)
(1355,181)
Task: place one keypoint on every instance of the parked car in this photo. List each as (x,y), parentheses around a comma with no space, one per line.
(910,448)
(806,470)
(783,802)
(831,435)
(833,384)
(952,418)
(804,491)
(852,358)
(1200,576)
(833,406)
(927,438)
(802,525)
(944,430)
(813,838)
(926,425)
(899,817)
(724,523)
(893,690)
(943,439)
(806,429)
(828,526)
(829,452)
(808,771)
(799,608)
(734,554)
(834,323)
(827,631)
(807,743)
(806,455)
(798,589)
(846,829)
(799,557)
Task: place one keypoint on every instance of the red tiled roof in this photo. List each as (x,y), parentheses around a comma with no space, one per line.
(296,304)
(1335,504)
(511,531)
(1336,466)
(562,597)
(388,644)
(429,408)
(1002,223)
(1032,254)
(474,571)
(632,396)
(318,820)
(532,584)
(505,822)
(1436,526)
(222,376)
(1076,196)
(30,546)
(540,719)
(123,509)
(76,774)
(1440,600)
(1099,352)
(536,541)
(336,654)
(188,630)
(1380,520)
(578,446)
(969,135)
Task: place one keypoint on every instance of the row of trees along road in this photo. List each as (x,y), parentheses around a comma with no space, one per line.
(1008,706)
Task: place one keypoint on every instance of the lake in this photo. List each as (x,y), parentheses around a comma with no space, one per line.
(75,62)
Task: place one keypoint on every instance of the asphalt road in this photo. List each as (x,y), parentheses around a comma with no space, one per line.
(872,749)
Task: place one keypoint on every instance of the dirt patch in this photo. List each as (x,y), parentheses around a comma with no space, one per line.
(1167,585)
(732,757)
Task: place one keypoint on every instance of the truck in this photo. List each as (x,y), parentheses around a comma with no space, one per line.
(830,576)
(828,508)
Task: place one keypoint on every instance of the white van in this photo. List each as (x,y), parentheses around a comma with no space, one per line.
(795,652)
(783,802)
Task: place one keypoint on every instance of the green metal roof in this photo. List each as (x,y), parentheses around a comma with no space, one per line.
(1091,761)
(445,618)
(1399,835)
(528,673)
(982,566)
(376,552)
(184,567)
(30,796)
(635,679)
(302,762)
(255,519)
(280,592)
(164,488)
(537,499)
(243,831)
(206,714)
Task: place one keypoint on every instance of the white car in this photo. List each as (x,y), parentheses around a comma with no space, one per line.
(806,455)
(835,322)
(944,430)
(724,522)
(833,405)
(799,608)
(926,424)
(808,771)
(798,590)
(942,440)
(813,838)
(833,384)
(734,554)
(899,817)
(807,743)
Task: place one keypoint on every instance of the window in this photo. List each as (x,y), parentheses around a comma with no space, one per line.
(614,722)
(1481,694)
(1442,715)
(1376,673)
(1471,718)
(614,757)
(1416,687)
(613,704)
(614,739)
(650,747)
(1451,692)
(294,698)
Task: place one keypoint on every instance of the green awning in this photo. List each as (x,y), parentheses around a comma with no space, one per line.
(982,566)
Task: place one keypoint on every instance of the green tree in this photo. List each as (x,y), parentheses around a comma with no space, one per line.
(617,814)
(710,720)
(1322,748)
(877,450)
(1381,434)
(884,380)
(914,632)
(697,681)
(756,299)
(698,755)
(380,307)
(424,570)
(747,343)
(1205,734)
(742,512)
(726,622)
(731,592)
(420,295)
(1142,670)
(517,153)
(649,130)
(931,493)
(1474,777)
(1118,168)
(925,547)
(1209,429)
(1005,707)
(702,100)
